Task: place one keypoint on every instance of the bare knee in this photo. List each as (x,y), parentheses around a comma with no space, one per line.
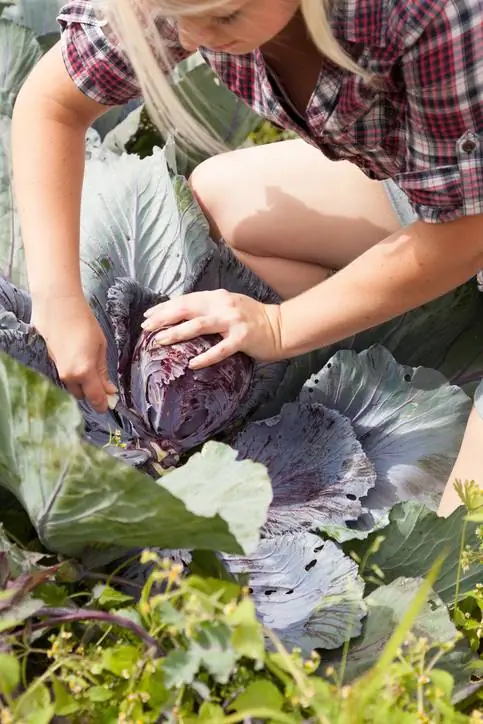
(210,184)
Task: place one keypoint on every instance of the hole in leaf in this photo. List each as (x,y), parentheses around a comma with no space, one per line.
(269,591)
(316,381)
(319,548)
(250,591)
(287,593)
(328,365)
(407,377)
(310,565)
(351,496)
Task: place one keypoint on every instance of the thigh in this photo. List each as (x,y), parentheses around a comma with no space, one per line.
(288,200)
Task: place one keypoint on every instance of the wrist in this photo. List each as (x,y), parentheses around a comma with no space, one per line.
(45,295)
(296,334)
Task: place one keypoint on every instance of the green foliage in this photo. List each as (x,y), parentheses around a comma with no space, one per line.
(202,657)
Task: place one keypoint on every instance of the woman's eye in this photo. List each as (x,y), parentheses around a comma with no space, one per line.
(227,19)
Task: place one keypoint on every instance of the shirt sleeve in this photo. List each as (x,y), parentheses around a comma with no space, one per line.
(442,72)
(93,57)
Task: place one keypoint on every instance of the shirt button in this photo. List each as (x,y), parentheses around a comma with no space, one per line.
(468,146)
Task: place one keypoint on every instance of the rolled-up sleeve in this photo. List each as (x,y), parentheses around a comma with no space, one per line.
(442,69)
(93,57)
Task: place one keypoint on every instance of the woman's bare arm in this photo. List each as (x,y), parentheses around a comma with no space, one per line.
(48,168)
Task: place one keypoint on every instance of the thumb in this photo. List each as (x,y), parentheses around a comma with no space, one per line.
(109,387)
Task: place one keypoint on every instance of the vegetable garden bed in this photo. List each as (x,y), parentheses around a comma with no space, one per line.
(256,542)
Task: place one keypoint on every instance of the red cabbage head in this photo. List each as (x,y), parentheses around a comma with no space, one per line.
(182,405)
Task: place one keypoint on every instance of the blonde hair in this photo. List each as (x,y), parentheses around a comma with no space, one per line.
(136,26)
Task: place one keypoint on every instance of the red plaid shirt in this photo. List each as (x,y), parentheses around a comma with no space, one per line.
(422,125)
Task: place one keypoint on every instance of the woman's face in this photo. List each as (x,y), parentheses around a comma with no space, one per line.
(238,27)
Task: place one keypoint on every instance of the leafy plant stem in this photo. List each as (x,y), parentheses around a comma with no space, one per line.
(92,576)
(397,639)
(59,616)
(460,563)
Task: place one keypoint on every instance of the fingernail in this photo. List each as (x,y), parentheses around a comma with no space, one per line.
(145,325)
(148,312)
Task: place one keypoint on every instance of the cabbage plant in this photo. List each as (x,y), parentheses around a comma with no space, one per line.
(247,459)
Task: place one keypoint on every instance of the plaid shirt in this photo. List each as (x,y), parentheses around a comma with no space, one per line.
(421,124)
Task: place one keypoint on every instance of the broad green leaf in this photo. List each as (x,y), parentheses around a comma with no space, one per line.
(247,633)
(9,673)
(65,703)
(202,93)
(224,115)
(120,660)
(305,589)
(170,616)
(414,539)
(386,608)
(109,597)
(213,645)
(211,713)
(18,560)
(78,496)
(180,667)
(410,422)
(34,706)
(99,694)
(260,693)
(38,15)
(12,260)
(248,641)
(19,53)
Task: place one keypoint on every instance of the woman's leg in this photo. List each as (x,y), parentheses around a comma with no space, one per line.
(468,465)
(291,214)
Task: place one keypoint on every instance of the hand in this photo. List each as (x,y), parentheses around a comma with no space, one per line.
(77,346)
(245,325)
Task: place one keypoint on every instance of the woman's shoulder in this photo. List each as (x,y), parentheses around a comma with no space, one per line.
(79,11)
(397,24)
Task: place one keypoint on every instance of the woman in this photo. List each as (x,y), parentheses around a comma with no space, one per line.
(392,89)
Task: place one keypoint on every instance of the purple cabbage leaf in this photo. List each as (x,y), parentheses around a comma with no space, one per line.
(319,470)
(409,421)
(305,589)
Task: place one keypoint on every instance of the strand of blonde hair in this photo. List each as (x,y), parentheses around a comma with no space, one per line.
(149,56)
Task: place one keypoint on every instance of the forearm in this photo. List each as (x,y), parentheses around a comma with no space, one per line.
(468,466)
(47,186)
(409,268)
(48,170)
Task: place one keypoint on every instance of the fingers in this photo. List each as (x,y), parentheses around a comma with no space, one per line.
(92,384)
(188,330)
(186,307)
(171,312)
(215,354)
(95,393)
